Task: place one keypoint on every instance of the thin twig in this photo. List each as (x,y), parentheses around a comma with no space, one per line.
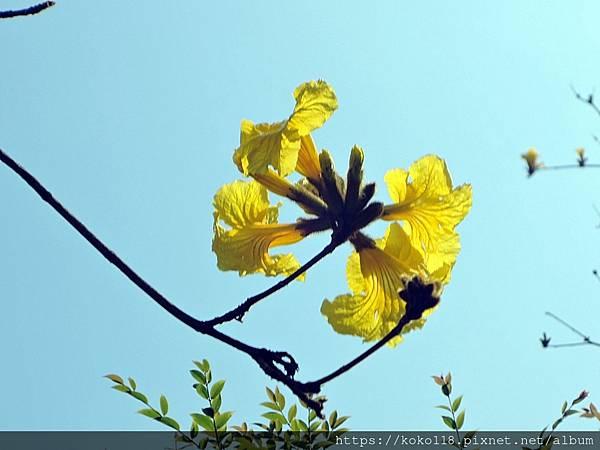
(26,11)
(589,100)
(570,327)
(239,312)
(586,339)
(568,166)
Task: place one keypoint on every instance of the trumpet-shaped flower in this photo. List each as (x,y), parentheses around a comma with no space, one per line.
(420,241)
(430,209)
(254,230)
(426,243)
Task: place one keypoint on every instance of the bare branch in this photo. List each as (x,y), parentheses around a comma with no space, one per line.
(35,9)
(279,365)
(239,312)
(585,339)
(589,100)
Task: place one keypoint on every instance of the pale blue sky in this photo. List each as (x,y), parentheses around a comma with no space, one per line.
(129,113)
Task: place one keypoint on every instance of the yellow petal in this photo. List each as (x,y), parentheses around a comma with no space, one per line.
(244,206)
(430,209)
(277,145)
(308,159)
(373,308)
(246,250)
(266,145)
(315,103)
(242,203)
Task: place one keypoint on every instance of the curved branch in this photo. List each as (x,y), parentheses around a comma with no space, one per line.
(239,312)
(267,359)
(279,365)
(35,9)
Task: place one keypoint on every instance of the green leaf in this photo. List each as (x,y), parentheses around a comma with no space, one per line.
(280,399)
(449,422)
(564,407)
(206,365)
(202,391)
(209,412)
(204,421)
(271,394)
(570,412)
(164,405)
(208,375)
(198,376)
(148,412)
(332,417)
(170,422)
(270,405)
(216,403)
(132,383)
(557,423)
(312,415)
(141,397)
(460,419)
(217,388)
(292,412)
(275,417)
(115,378)
(222,419)
(456,403)
(121,388)
(444,407)
(340,421)
(194,430)
(302,426)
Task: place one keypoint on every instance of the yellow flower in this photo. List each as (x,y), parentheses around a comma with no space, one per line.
(420,242)
(244,207)
(425,244)
(531,158)
(278,144)
(581,159)
(430,209)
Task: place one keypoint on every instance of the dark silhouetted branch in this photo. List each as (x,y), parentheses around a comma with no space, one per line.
(239,312)
(585,339)
(279,365)
(35,9)
(589,100)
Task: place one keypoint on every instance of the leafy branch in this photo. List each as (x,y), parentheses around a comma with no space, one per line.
(457,419)
(211,425)
(35,9)
(545,438)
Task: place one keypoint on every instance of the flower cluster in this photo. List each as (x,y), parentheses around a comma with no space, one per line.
(420,240)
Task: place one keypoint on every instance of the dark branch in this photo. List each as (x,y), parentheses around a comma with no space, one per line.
(568,166)
(589,100)
(271,362)
(585,339)
(280,366)
(239,312)
(419,297)
(27,11)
